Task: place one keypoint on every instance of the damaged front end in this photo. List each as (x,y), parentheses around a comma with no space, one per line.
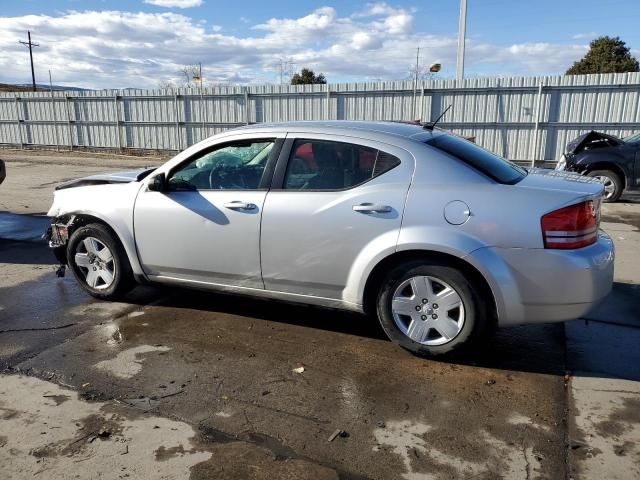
(57,236)
(587,142)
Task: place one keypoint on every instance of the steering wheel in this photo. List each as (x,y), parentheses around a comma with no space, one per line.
(211,172)
(220,179)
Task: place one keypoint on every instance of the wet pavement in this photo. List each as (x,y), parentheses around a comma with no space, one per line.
(224,371)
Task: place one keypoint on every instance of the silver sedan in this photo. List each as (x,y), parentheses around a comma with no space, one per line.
(437,237)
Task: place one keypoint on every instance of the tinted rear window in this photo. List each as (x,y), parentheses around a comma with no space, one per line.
(492,165)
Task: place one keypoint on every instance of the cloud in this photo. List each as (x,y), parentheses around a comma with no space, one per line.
(116,49)
(174,3)
(585,35)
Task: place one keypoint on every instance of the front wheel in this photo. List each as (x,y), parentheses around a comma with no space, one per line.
(612,184)
(99,263)
(430,309)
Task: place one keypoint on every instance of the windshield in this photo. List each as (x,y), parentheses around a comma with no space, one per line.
(635,138)
(490,164)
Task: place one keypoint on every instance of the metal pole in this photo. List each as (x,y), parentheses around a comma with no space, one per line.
(19,123)
(203,134)
(178,135)
(246,105)
(415,85)
(328,103)
(462,32)
(536,127)
(67,102)
(422,103)
(55,117)
(116,116)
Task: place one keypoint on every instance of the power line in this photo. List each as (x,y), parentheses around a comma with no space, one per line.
(30,44)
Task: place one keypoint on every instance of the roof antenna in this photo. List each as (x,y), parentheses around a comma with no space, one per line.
(429,126)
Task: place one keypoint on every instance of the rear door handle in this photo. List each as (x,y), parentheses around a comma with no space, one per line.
(371,208)
(238,205)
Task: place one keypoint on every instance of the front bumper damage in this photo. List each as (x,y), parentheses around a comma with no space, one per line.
(57,236)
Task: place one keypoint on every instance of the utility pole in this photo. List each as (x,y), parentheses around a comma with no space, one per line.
(31,44)
(462,32)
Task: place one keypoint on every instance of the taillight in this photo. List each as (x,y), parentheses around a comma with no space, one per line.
(571,227)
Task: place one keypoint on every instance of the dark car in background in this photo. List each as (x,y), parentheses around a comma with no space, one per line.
(614,161)
(3,171)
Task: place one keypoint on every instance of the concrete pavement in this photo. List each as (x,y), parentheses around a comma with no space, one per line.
(220,371)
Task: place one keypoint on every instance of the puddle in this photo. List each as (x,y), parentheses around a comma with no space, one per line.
(128,363)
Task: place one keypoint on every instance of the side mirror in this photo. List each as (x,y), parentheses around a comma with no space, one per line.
(157,183)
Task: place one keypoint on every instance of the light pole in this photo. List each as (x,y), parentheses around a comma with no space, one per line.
(462,31)
(415,85)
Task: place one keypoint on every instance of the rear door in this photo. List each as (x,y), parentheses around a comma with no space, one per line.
(331,198)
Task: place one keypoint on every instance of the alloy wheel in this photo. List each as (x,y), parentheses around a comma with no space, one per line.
(428,310)
(609,186)
(94,259)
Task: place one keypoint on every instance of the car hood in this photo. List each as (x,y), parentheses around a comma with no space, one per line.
(591,140)
(107,178)
(547,179)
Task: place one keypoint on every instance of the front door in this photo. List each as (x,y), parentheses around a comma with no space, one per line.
(335,197)
(206,226)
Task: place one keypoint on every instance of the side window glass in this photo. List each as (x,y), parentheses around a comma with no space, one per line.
(327,165)
(238,166)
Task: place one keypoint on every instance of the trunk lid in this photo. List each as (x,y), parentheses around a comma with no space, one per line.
(546,179)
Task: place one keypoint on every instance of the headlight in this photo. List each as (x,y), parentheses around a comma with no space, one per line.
(562,163)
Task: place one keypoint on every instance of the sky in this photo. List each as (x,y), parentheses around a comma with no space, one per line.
(145,43)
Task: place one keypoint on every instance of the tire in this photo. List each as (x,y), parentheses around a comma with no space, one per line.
(441,333)
(612,182)
(99,263)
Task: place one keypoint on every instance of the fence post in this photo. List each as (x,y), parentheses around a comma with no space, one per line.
(422,103)
(536,127)
(203,131)
(328,103)
(246,105)
(175,108)
(116,116)
(55,121)
(18,121)
(68,101)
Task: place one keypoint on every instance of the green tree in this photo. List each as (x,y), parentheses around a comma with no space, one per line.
(605,55)
(307,77)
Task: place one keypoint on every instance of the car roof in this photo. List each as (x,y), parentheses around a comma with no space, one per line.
(362,128)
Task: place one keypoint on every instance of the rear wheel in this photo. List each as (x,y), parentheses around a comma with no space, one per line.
(612,184)
(430,309)
(99,262)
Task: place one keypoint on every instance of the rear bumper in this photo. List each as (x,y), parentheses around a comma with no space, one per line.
(546,285)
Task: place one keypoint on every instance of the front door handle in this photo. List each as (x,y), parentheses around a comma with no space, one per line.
(238,205)
(371,208)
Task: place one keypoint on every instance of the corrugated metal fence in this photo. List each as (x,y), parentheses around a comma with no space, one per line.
(521,118)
